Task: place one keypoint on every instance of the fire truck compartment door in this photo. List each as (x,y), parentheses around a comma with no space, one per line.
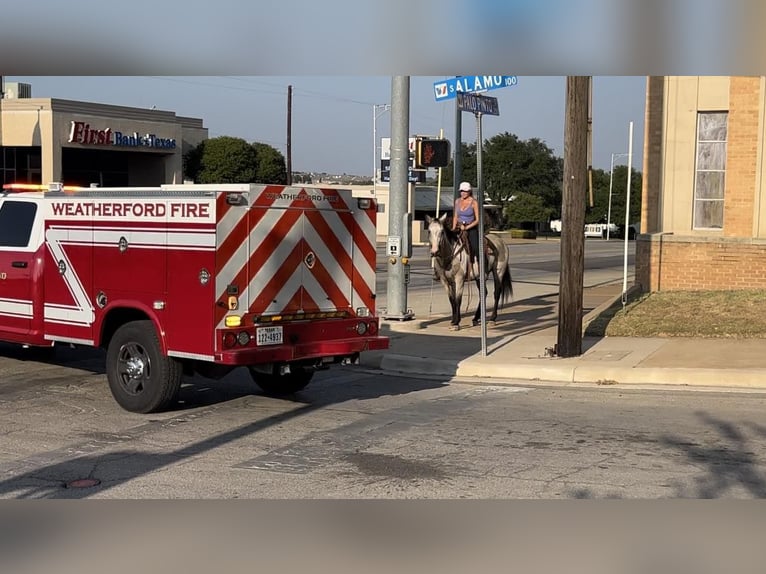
(301,260)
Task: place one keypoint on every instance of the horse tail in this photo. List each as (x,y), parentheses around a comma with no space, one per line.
(506,285)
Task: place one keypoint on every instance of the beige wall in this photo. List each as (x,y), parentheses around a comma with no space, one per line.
(759,218)
(684,97)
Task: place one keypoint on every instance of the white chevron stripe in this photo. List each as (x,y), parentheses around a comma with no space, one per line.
(83,313)
(286,292)
(229,221)
(17,308)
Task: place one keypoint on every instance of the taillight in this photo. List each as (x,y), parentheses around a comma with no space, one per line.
(229,340)
(373,328)
(361,328)
(243,338)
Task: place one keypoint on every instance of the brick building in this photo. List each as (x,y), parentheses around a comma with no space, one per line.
(703,220)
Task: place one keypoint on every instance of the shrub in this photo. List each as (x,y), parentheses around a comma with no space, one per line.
(523,234)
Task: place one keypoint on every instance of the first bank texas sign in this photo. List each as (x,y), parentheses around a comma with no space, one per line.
(448,89)
(82,133)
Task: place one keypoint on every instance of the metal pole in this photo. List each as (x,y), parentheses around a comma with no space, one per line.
(609,209)
(398,187)
(458,161)
(438,185)
(289,135)
(480,254)
(627,218)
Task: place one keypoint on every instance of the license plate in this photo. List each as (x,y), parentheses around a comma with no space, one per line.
(268,336)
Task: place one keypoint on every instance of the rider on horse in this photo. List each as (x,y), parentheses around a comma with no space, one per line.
(465,218)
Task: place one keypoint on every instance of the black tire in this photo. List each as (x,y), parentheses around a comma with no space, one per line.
(141,378)
(280,385)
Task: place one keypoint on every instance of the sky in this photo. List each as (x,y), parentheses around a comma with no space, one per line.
(332,116)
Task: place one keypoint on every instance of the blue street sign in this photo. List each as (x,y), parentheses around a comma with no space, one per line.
(478,104)
(448,89)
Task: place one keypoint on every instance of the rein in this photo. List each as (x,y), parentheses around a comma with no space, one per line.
(450,247)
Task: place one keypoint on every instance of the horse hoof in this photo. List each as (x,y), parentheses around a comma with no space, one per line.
(454,327)
(476,323)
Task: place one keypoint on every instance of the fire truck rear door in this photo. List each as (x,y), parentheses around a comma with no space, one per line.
(301,257)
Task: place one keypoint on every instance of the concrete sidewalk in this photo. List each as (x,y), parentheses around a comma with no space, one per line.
(520,345)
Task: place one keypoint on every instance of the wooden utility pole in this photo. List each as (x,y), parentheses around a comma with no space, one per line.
(573,217)
(289,135)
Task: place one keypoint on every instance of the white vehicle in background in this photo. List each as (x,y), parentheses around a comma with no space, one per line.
(599,229)
(591,229)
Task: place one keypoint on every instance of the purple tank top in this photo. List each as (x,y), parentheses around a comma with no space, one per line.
(465,216)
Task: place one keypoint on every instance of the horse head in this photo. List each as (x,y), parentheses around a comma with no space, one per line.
(437,239)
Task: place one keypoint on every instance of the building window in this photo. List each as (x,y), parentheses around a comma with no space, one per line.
(710,173)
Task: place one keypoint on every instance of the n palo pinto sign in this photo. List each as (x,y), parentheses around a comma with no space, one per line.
(478,104)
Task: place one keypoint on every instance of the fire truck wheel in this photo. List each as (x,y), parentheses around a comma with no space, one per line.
(279,385)
(141,378)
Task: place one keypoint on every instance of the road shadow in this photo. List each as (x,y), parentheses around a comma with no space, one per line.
(119,466)
(729,463)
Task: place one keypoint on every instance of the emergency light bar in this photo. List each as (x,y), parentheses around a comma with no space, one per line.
(51,187)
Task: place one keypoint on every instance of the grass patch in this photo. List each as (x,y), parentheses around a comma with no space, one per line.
(706,314)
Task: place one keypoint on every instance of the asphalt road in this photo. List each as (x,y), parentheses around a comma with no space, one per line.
(356,433)
(359,434)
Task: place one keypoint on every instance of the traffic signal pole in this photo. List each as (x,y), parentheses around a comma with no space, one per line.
(399,245)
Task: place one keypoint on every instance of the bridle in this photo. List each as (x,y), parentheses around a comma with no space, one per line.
(447,250)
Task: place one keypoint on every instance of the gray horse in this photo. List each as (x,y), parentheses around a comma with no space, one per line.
(452,267)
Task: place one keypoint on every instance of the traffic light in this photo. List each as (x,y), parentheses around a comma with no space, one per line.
(432,153)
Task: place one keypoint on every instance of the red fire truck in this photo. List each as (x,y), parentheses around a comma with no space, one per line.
(179,279)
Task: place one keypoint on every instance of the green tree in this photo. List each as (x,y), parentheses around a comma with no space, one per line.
(526,208)
(600,210)
(222,159)
(468,166)
(271,166)
(512,166)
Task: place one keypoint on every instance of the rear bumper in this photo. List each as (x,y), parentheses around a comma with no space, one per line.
(337,348)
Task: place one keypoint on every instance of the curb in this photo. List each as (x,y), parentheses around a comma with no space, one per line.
(471,370)
(407,364)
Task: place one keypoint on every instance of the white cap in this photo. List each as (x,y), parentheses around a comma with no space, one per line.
(465,186)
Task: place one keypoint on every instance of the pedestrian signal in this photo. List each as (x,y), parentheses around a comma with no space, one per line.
(432,153)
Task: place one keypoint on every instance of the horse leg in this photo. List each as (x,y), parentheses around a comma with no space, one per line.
(477,315)
(458,301)
(450,289)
